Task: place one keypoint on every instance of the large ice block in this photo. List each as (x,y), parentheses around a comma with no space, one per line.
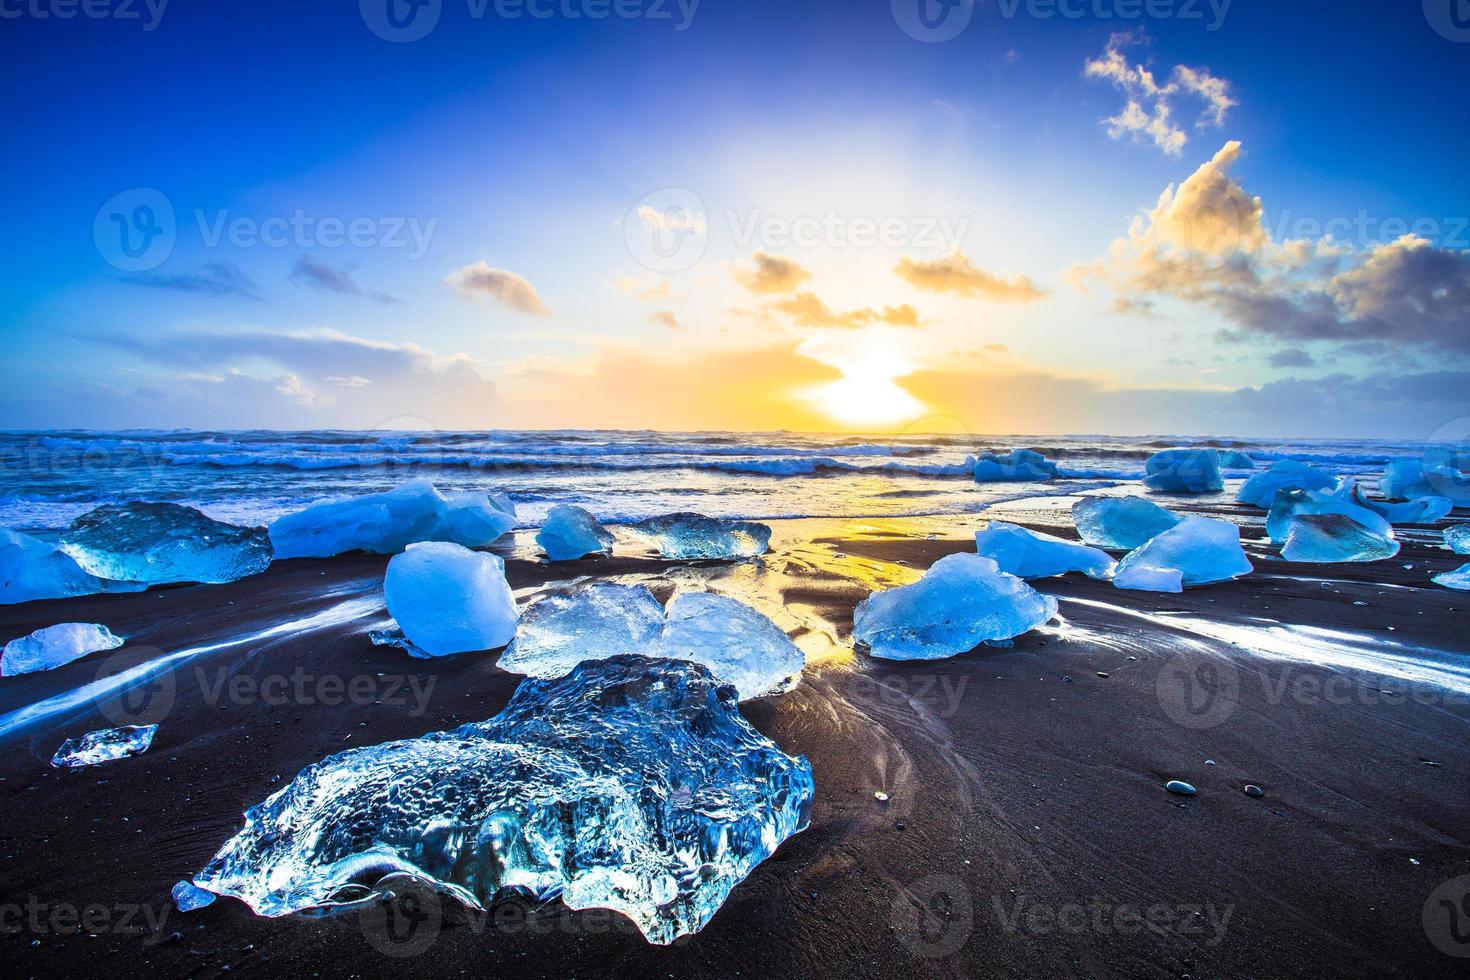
(1017,466)
(593,622)
(1120,523)
(631,784)
(34,569)
(53,646)
(449,599)
(1328,536)
(571,532)
(694,536)
(160,543)
(1458,579)
(1287,474)
(1420,510)
(1236,461)
(963,601)
(1201,550)
(388,522)
(1184,471)
(1031,554)
(104,745)
(1289,504)
(740,645)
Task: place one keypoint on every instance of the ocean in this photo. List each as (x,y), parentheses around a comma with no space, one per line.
(251,477)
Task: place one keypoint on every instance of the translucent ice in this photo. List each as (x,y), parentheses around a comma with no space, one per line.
(630,784)
(162,543)
(188,897)
(594,622)
(1200,550)
(1236,461)
(1184,471)
(34,569)
(449,599)
(738,644)
(386,523)
(1120,523)
(1439,472)
(1458,579)
(1457,539)
(1017,466)
(55,645)
(104,745)
(1289,504)
(1287,474)
(571,532)
(1031,554)
(963,601)
(1421,510)
(691,536)
(1332,537)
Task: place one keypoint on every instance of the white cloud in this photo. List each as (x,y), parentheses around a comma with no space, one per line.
(509,288)
(1149,111)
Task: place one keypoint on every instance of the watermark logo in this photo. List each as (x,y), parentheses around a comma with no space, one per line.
(403,923)
(933,21)
(143,694)
(400,21)
(1446,917)
(1449,18)
(135,230)
(1198,690)
(934,916)
(667,230)
(1446,461)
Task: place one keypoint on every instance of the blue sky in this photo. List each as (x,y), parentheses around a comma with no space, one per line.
(492,167)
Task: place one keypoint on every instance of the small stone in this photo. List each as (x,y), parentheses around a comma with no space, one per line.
(1180,787)
(900,825)
(1253,790)
(1102,673)
(1209,762)
(880,796)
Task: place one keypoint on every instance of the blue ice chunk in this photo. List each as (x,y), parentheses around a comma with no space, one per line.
(1328,536)
(560,630)
(188,897)
(1287,474)
(694,536)
(631,784)
(158,544)
(1420,510)
(1184,471)
(53,646)
(1201,550)
(963,601)
(1031,554)
(34,569)
(104,745)
(1438,473)
(739,645)
(1292,503)
(449,599)
(388,522)
(1017,466)
(571,532)
(1120,523)
(1458,579)
(1457,539)
(1236,461)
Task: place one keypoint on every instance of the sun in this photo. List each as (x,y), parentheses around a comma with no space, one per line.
(867,394)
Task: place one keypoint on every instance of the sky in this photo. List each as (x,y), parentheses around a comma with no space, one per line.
(1006,216)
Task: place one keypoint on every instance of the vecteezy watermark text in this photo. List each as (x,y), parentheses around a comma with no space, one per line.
(38,917)
(1102,918)
(404,21)
(148,13)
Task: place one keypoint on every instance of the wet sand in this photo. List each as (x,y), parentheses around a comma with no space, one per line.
(1027,831)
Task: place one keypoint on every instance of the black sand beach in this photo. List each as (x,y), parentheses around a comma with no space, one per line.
(1027,830)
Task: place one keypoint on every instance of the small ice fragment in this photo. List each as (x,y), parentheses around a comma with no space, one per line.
(694,536)
(449,599)
(631,784)
(188,897)
(1458,579)
(1254,791)
(1325,538)
(34,569)
(1017,466)
(1287,474)
(1180,787)
(962,601)
(1120,523)
(54,646)
(1196,551)
(571,532)
(1457,539)
(1184,471)
(104,745)
(1031,554)
(738,644)
(558,631)
(1236,461)
(880,796)
(388,522)
(161,543)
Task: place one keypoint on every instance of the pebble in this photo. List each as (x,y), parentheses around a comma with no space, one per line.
(880,796)
(1180,787)
(1253,790)
(1102,673)
(1209,762)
